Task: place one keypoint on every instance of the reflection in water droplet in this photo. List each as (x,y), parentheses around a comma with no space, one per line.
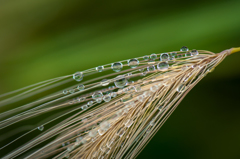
(104,82)
(41,128)
(129,123)
(113,94)
(146,57)
(97,95)
(80,87)
(160,108)
(164,57)
(154,88)
(188,54)
(194,52)
(78,76)
(100,68)
(120,81)
(153,56)
(93,133)
(184,48)
(71,90)
(162,66)
(151,68)
(179,56)
(181,88)
(105,125)
(117,66)
(107,98)
(65,91)
(90,103)
(133,63)
(84,107)
(137,88)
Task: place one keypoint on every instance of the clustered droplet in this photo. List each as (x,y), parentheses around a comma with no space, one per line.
(194,52)
(120,81)
(162,66)
(151,68)
(97,95)
(80,87)
(105,82)
(71,90)
(78,76)
(164,57)
(146,57)
(133,63)
(65,91)
(117,66)
(153,56)
(107,98)
(184,48)
(100,68)
(41,128)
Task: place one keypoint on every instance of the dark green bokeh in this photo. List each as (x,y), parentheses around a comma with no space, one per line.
(44,39)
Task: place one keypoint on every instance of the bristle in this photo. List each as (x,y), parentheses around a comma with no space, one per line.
(111,111)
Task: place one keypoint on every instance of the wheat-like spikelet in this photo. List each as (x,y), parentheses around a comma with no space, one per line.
(111,115)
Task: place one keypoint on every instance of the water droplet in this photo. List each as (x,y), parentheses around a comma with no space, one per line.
(179,56)
(137,88)
(194,52)
(129,75)
(146,57)
(70,148)
(93,133)
(107,98)
(78,141)
(41,128)
(133,63)
(81,99)
(105,82)
(121,132)
(151,123)
(154,88)
(160,108)
(80,87)
(162,65)
(100,68)
(117,66)
(174,54)
(90,103)
(144,73)
(78,76)
(84,107)
(146,94)
(153,56)
(65,91)
(113,94)
(184,48)
(141,69)
(140,98)
(126,98)
(99,100)
(164,57)
(151,68)
(188,53)
(120,81)
(181,88)
(211,70)
(129,123)
(71,90)
(105,125)
(97,95)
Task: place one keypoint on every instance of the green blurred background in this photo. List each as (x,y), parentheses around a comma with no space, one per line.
(43,39)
